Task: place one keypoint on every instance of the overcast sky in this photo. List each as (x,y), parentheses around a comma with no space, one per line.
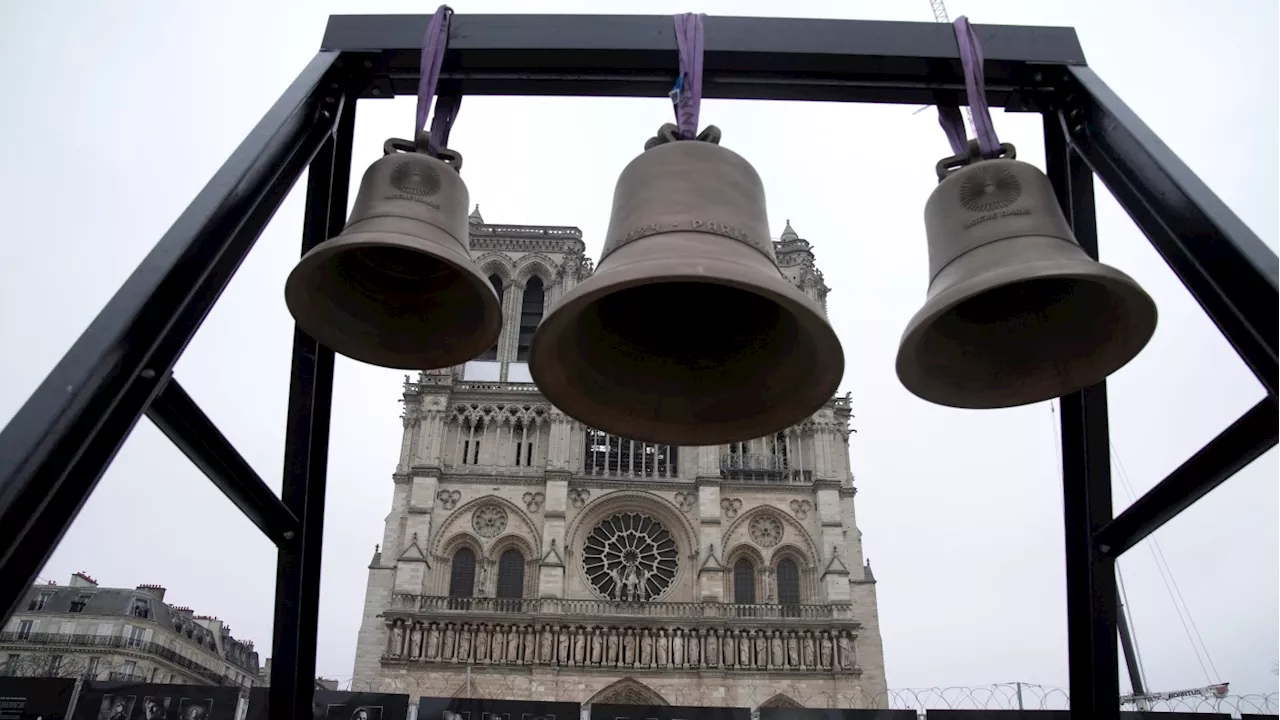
(118,113)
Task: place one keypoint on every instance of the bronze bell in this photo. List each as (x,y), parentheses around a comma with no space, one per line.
(398,287)
(687,333)
(1016,312)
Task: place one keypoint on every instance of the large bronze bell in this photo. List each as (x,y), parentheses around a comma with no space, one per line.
(398,287)
(1016,311)
(687,333)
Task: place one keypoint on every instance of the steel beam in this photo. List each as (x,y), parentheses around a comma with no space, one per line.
(1092,597)
(748,58)
(58,445)
(181,419)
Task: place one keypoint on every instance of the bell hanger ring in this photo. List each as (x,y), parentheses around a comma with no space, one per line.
(452,158)
(949,165)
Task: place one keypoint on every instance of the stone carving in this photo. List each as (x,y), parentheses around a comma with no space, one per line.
(801,508)
(630,557)
(578,497)
(533,501)
(766,530)
(731,507)
(686,501)
(448,498)
(489,520)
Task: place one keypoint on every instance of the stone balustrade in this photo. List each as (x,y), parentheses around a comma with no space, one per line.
(678,646)
(402,603)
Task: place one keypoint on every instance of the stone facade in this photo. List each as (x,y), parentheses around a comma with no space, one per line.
(81,630)
(526,555)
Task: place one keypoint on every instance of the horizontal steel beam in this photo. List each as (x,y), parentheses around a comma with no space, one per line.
(1225,455)
(181,419)
(749,58)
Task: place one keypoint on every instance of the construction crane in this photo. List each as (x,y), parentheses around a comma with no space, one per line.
(1144,700)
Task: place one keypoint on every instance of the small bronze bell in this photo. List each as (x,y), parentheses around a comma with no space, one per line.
(1016,312)
(398,287)
(687,333)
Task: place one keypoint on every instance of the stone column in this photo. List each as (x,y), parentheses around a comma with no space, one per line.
(835,572)
(551,567)
(710,543)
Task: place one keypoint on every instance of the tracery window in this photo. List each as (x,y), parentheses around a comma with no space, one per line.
(511,574)
(744,582)
(630,556)
(492,353)
(462,573)
(530,316)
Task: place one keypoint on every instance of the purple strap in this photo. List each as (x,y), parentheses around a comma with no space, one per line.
(433,46)
(687,97)
(976,89)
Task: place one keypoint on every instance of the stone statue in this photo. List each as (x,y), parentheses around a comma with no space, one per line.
(777,656)
(482,574)
(629,584)
(616,574)
(807,650)
(744,649)
(611,647)
(562,647)
(629,648)
(464,644)
(544,646)
(530,645)
(433,642)
(845,645)
(762,648)
(415,641)
(513,644)
(646,648)
(579,647)
(825,647)
(597,647)
(482,643)
(695,646)
(793,650)
(397,640)
(450,642)
(641,589)
(727,645)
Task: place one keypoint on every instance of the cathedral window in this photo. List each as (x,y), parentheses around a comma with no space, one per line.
(788,576)
(744,582)
(492,353)
(630,557)
(462,573)
(511,574)
(530,316)
(524,444)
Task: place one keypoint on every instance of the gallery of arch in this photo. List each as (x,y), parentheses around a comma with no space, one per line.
(577,565)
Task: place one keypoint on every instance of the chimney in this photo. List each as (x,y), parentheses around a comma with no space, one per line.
(155,591)
(83,580)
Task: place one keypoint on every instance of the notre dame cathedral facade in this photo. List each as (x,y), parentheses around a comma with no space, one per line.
(528,556)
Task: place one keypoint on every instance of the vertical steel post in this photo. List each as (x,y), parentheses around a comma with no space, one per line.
(293,660)
(1092,598)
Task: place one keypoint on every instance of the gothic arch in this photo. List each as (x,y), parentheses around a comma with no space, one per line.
(497,263)
(781,701)
(531,559)
(619,501)
(627,691)
(731,558)
(805,563)
(795,532)
(518,523)
(536,264)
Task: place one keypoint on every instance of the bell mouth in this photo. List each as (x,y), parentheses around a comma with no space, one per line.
(1027,340)
(380,302)
(687,362)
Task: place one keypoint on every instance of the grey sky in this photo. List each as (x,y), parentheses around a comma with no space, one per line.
(118,113)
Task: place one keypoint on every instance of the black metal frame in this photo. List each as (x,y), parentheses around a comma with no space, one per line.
(61,441)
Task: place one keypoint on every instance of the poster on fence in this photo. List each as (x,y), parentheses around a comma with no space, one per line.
(795,713)
(339,705)
(136,701)
(606,711)
(23,698)
(436,708)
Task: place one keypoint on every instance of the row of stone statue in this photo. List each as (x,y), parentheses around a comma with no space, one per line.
(623,647)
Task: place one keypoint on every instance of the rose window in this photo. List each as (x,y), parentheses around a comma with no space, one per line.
(630,557)
(489,521)
(765,530)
